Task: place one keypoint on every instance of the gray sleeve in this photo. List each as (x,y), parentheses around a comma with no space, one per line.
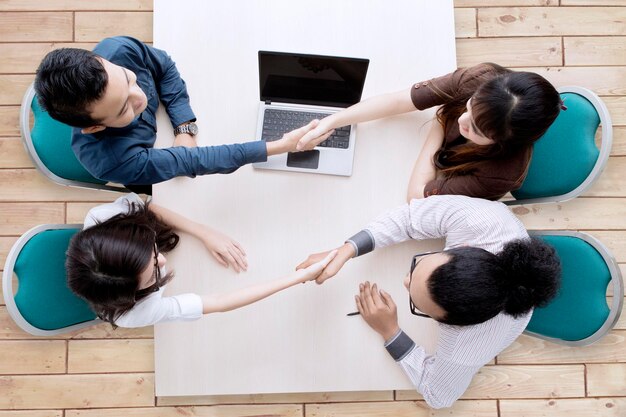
(363,242)
(400,346)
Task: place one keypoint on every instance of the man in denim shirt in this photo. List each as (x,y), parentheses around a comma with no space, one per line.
(110,96)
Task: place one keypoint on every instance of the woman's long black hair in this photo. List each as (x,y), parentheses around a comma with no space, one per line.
(104,261)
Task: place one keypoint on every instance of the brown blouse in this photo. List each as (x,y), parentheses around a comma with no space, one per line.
(493,178)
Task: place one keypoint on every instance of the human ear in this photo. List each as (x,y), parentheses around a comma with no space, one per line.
(92,129)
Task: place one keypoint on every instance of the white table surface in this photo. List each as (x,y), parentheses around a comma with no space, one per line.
(299,340)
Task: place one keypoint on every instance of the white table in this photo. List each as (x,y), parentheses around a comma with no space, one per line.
(299,340)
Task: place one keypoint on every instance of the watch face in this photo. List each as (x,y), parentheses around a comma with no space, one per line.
(193,128)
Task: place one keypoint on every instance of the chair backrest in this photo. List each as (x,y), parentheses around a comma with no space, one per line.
(43,304)
(48,145)
(566,160)
(579,315)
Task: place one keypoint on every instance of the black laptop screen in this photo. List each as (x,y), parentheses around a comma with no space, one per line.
(311,79)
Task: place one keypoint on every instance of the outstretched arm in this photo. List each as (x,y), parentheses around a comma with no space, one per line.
(239,298)
(373,108)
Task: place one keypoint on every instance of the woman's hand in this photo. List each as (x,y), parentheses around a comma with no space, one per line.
(344,253)
(312,271)
(378,310)
(226,251)
(317,135)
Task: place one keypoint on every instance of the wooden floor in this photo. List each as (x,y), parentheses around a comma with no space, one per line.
(100,372)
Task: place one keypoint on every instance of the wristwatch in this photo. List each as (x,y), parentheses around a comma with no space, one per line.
(190,128)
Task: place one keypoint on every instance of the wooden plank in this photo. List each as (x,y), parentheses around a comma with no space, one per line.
(493,3)
(10,331)
(602,80)
(30,185)
(308,397)
(74,5)
(36,26)
(606,380)
(502,381)
(617,109)
(530,350)
(6,243)
(24,58)
(94,26)
(465,23)
(32,357)
(578,407)
(76,212)
(94,356)
(595,50)
(9,121)
(13,154)
(619,141)
(32,413)
(16,218)
(279,410)
(538,51)
(593,2)
(402,409)
(580,213)
(612,182)
(13,87)
(551,21)
(76,391)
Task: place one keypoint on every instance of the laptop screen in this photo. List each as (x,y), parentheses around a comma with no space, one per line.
(311,79)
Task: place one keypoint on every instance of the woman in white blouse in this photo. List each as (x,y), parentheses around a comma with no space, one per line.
(116,264)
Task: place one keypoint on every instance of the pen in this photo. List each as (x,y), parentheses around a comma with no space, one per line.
(356,313)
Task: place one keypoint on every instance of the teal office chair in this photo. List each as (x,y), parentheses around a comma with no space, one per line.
(43,304)
(579,315)
(565,161)
(48,145)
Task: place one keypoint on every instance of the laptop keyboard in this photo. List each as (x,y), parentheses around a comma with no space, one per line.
(278,122)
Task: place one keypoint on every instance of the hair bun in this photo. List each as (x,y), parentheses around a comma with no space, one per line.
(532,274)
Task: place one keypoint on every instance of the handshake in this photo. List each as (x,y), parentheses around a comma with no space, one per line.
(324,265)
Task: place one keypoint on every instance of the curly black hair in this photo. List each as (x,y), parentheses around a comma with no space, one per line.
(476,285)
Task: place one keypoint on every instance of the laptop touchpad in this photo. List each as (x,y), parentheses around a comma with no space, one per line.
(306,159)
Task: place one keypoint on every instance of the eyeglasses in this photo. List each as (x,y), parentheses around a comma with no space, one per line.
(156,275)
(416,259)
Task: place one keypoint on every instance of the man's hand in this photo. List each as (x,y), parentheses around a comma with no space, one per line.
(289,140)
(344,253)
(316,136)
(186,140)
(378,310)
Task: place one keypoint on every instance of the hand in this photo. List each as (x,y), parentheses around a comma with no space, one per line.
(289,140)
(225,250)
(344,253)
(378,310)
(313,271)
(186,140)
(316,136)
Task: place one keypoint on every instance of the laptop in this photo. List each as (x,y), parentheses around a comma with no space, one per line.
(297,88)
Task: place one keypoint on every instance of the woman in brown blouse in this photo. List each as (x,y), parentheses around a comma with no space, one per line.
(480,142)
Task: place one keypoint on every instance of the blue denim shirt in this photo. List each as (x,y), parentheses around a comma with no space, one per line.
(127,155)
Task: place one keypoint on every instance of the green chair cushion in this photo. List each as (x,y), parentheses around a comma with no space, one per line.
(43,297)
(52,141)
(565,155)
(580,308)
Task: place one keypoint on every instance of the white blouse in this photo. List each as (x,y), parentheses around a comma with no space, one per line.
(154,308)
